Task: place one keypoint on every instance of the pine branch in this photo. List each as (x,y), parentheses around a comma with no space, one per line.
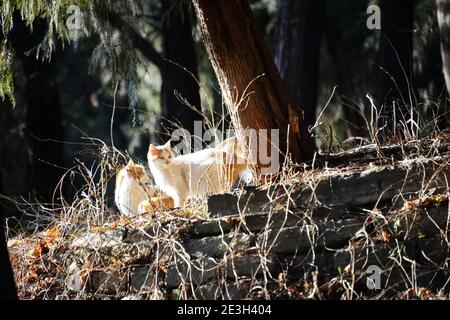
(139,42)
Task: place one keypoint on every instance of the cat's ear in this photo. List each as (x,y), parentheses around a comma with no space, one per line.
(168,145)
(130,162)
(153,150)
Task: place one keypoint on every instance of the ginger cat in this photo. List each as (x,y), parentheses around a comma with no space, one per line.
(209,171)
(133,196)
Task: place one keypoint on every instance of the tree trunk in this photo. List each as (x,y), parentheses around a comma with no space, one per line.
(443,13)
(179,51)
(43,127)
(243,65)
(7,283)
(299,35)
(341,55)
(394,70)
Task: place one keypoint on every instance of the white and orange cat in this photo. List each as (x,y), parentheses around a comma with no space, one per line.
(209,171)
(134,195)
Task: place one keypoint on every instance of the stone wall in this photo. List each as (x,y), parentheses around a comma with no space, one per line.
(315,238)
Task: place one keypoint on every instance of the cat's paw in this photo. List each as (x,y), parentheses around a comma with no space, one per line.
(246,178)
(156,203)
(144,207)
(178,202)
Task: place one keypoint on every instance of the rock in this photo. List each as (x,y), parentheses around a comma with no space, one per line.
(73,280)
(100,281)
(377,183)
(209,228)
(218,246)
(142,278)
(361,258)
(336,233)
(248,201)
(132,297)
(251,266)
(355,188)
(294,240)
(240,290)
(132,253)
(297,240)
(420,223)
(95,241)
(215,291)
(276,220)
(176,294)
(299,265)
(195,272)
(138,235)
(206,270)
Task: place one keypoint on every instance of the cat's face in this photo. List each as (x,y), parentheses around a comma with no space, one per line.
(137,172)
(162,155)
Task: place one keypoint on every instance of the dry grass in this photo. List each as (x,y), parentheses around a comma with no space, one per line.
(62,241)
(43,260)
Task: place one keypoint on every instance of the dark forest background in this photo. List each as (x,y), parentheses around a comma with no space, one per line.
(64,104)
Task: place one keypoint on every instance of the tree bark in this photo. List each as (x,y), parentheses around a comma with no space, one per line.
(394,70)
(179,52)
(7,283)
(299,34)
(443,13)
(243,65)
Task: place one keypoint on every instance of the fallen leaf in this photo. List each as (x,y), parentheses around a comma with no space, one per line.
(40,249)
(51,234)
(386,236)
